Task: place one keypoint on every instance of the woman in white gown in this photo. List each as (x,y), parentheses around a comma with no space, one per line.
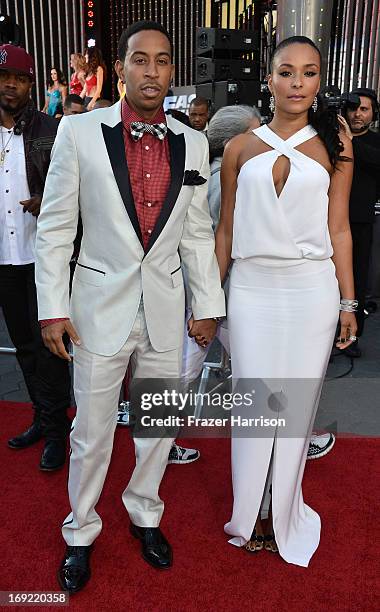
(284,223)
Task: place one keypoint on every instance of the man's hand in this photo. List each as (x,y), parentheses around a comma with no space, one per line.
(52,337)
(32,206)
(203,330)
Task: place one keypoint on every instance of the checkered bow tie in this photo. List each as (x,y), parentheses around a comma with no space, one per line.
(138,129)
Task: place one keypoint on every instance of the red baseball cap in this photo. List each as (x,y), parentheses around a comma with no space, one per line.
(17,59)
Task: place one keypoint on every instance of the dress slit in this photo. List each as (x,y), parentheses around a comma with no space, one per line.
(282,278)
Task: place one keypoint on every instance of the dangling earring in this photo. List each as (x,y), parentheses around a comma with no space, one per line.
(314,106)
(272,104)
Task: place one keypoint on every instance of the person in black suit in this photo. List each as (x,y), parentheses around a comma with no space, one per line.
(364,194)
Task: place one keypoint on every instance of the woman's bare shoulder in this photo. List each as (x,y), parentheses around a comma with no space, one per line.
(236,142)
(242,142)
(253,146)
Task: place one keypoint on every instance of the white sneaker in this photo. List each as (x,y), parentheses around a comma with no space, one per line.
(320,445)
(124,414)
(179,454)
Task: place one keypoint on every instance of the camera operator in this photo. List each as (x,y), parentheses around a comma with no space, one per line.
(364,192)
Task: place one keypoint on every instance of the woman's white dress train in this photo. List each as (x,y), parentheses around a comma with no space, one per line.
(283,311)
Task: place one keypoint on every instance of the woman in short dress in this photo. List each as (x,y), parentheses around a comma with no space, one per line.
(55,94)
(95,77)
(78,64)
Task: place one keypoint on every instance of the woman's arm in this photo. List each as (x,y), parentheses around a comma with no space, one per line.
(228,176)
(45,108)
(81,76)
(99,87)
(339,226)
(340,233)
(83,92)
(63,94)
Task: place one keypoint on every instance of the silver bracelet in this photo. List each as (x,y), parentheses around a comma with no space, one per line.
(348,305)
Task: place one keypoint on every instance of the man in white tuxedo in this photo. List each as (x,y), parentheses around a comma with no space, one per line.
(137,178)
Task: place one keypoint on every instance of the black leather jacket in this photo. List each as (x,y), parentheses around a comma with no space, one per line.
(39,131)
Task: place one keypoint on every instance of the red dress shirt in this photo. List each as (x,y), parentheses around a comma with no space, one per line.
(149,174)
(149,170)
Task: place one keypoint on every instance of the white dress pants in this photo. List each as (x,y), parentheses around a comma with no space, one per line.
(97,382)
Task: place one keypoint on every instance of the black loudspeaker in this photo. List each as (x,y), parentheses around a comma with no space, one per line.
(208,69)
(226,93)
(10,31)
(210,40)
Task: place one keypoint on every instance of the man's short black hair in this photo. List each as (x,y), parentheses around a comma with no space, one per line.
(199,101)
(73,99)
(140,26)
(366,92)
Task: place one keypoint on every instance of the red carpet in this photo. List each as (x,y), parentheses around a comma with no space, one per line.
(208,574)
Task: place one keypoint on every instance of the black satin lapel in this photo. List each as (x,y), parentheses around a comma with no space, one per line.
(177,150)
(113,137)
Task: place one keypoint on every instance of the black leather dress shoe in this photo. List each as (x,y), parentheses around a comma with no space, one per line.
(29,437)
(156,550)
(53,456)
(74,571)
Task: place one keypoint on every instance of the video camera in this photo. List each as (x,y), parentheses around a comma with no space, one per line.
(338,102)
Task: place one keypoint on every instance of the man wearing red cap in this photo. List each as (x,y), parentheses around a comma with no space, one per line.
(26,139)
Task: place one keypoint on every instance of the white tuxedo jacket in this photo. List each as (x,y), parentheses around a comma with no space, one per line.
(89,174)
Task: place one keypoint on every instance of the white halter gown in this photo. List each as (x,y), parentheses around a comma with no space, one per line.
(282,316)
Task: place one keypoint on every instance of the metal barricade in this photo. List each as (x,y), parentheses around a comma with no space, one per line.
(222,367)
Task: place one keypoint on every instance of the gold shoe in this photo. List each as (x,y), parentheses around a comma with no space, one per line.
(255,543)
(270,543)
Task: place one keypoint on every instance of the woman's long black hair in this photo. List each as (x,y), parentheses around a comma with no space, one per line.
(61,78)
(323,120)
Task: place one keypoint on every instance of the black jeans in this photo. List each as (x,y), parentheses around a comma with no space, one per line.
(46,376)
(361,252)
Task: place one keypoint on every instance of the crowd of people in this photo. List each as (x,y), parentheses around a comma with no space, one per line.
(86,82)
(174,218)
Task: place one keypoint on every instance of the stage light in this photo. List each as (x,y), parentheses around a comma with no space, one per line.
(92,22)
(91,42)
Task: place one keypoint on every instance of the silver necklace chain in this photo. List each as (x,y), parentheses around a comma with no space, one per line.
(4,146)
